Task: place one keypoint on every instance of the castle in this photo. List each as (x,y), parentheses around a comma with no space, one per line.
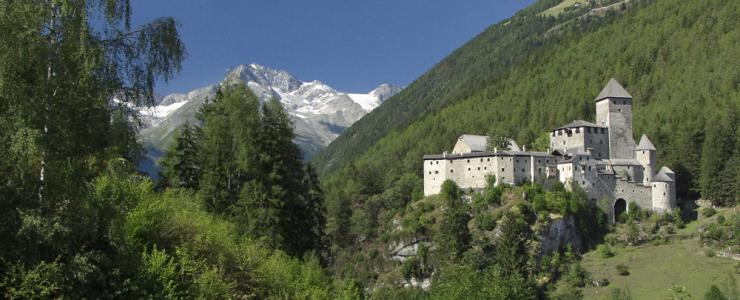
(602,159)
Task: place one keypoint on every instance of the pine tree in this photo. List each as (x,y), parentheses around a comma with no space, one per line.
(228,145)
(717,175)
(454,236)
(511,252)
(181,165)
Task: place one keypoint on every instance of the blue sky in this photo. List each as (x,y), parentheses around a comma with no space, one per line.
(350,45)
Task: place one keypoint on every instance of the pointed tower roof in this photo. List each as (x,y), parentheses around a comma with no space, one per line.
(665,175)
(645,144)
(613,90)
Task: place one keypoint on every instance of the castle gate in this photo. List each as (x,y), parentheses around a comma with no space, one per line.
(620,207)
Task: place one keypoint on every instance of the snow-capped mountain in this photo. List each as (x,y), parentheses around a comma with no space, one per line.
(319,112)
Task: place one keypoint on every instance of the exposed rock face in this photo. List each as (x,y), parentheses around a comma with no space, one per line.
(557,234)
(403,250)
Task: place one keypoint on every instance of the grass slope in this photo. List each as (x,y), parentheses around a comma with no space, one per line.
(557,9)
(654,269)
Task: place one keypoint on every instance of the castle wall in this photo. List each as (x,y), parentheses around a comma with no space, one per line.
(616,114)
(505,170)
(647,160)
(471,172)
(434,175)
(663,194)
(564,139)
(597,139)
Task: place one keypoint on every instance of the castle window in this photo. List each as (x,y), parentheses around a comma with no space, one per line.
(620,109)
(437,162)
(517,160)
(478,168)
(436,172)
(468,169)
(481,160)
(522,170)
(563,143)
(485,168)
(502,169)
(583,183)
(655,185)
(452,171)
(430,172)
(488,159)
(603,130)
(663,193)
(578,130)
(553,133)
(589,168)
(588,129)
(468,160)
(539,170)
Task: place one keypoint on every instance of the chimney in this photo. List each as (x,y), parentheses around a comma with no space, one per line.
(495,150)
(524,148)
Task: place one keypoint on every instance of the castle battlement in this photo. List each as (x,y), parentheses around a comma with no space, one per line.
(602,158)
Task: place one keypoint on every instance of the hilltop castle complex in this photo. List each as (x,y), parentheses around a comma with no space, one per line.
(600,158)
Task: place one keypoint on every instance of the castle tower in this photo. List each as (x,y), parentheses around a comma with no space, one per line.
(614,110)
(664,191)
(645,154)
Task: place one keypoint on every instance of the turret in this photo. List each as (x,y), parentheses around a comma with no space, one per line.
(614,110)
(645,155)
(664,191)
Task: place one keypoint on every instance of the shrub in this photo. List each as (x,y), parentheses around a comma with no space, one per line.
(577,275)
(708,212)
(487,222)
(623,270)
(604,251)
(710,252)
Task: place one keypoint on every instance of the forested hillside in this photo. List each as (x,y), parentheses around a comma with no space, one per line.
(678,59)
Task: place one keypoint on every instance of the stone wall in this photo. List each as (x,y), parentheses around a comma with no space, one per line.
(616,114)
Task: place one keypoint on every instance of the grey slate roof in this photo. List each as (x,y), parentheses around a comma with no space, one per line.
(485,154)
(477,143)
(578,123)
(645,144)
(662,177)
(623,162)
(613,90)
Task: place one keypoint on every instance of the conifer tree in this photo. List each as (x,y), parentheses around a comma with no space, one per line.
(454,236)
(229,153)
(181,164)
(717,175)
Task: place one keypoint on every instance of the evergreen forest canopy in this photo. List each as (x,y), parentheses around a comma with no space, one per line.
(238,215)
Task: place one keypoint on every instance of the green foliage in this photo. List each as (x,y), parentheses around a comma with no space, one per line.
(454,236)
(605,251)
(577,276)
(714,294)
(463,282)
(708,212)
(181,165)
(718,177)
(623,270)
